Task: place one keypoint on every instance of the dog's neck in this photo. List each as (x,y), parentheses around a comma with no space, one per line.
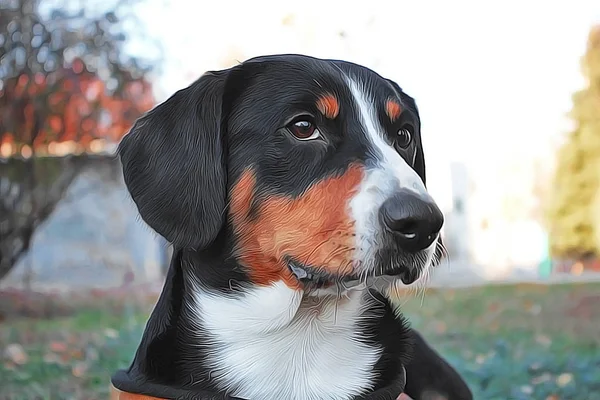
(278,342)
(260,342)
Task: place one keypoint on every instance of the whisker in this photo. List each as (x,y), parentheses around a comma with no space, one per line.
(423,285)
(335,309)
(375,298)
(406,293)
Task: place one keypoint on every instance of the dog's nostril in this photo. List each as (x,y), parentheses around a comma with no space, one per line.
(408,228)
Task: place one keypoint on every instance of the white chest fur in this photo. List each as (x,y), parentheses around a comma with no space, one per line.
(275,343)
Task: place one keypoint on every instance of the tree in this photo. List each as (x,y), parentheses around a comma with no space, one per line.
(66,87)
(572,210)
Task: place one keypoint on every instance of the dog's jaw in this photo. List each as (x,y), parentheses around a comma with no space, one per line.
(277,342)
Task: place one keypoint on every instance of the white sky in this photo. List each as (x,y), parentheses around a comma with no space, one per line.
(493,79)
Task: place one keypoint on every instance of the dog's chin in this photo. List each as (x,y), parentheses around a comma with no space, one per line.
(407,275)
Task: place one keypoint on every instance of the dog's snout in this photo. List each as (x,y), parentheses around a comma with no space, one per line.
(414,218)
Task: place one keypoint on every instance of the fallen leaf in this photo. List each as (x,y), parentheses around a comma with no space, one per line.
(16,353)
(527,389)
(79,369)
(111,333)
(564,379)
(58,347)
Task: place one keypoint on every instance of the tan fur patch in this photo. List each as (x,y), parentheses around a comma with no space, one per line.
(393,109)
(329,106)
(315,228)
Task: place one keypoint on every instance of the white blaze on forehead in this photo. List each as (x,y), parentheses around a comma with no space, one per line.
(388,158)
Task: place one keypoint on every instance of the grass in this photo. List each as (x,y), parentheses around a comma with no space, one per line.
(517,341)
(510,342)
(69,357)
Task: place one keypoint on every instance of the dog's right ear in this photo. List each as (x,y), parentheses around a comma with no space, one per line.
(174,164)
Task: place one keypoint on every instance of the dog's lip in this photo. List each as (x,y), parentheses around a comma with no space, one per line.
(315,276)
(301,272)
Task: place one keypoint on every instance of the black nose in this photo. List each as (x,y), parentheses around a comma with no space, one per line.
(414,218)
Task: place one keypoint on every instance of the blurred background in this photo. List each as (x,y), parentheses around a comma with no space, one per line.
(509,94)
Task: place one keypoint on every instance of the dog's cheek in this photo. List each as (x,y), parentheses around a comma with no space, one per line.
(240,199)
(249,228)
(315,228)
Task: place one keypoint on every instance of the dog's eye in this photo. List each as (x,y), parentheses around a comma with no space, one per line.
(304,129)
(404,136)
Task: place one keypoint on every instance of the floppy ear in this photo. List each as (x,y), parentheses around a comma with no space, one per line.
(174,164)
(419,157)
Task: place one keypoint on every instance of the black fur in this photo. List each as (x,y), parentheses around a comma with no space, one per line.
(174,164)
(179,162)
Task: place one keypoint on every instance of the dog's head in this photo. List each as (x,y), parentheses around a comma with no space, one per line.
(313,169)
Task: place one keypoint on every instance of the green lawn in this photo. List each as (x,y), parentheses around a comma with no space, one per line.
(510,342)
(517,341)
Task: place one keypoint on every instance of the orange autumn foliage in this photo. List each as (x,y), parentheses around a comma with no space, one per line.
(71,104)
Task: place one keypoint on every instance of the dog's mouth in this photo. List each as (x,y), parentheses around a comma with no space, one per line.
(316,278)
(312,277)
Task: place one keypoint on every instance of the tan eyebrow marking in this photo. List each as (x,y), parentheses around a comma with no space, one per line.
(328,105)
(393,109)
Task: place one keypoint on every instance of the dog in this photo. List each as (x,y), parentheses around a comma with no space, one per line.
(293,191)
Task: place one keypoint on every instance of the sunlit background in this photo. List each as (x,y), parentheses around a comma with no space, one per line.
(495,85)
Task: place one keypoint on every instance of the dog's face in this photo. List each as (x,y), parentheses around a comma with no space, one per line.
(313,169)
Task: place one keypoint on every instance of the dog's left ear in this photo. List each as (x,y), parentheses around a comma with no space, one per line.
(174,163)
(419,157)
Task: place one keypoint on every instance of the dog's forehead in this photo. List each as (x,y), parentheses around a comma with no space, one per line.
(284,77)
